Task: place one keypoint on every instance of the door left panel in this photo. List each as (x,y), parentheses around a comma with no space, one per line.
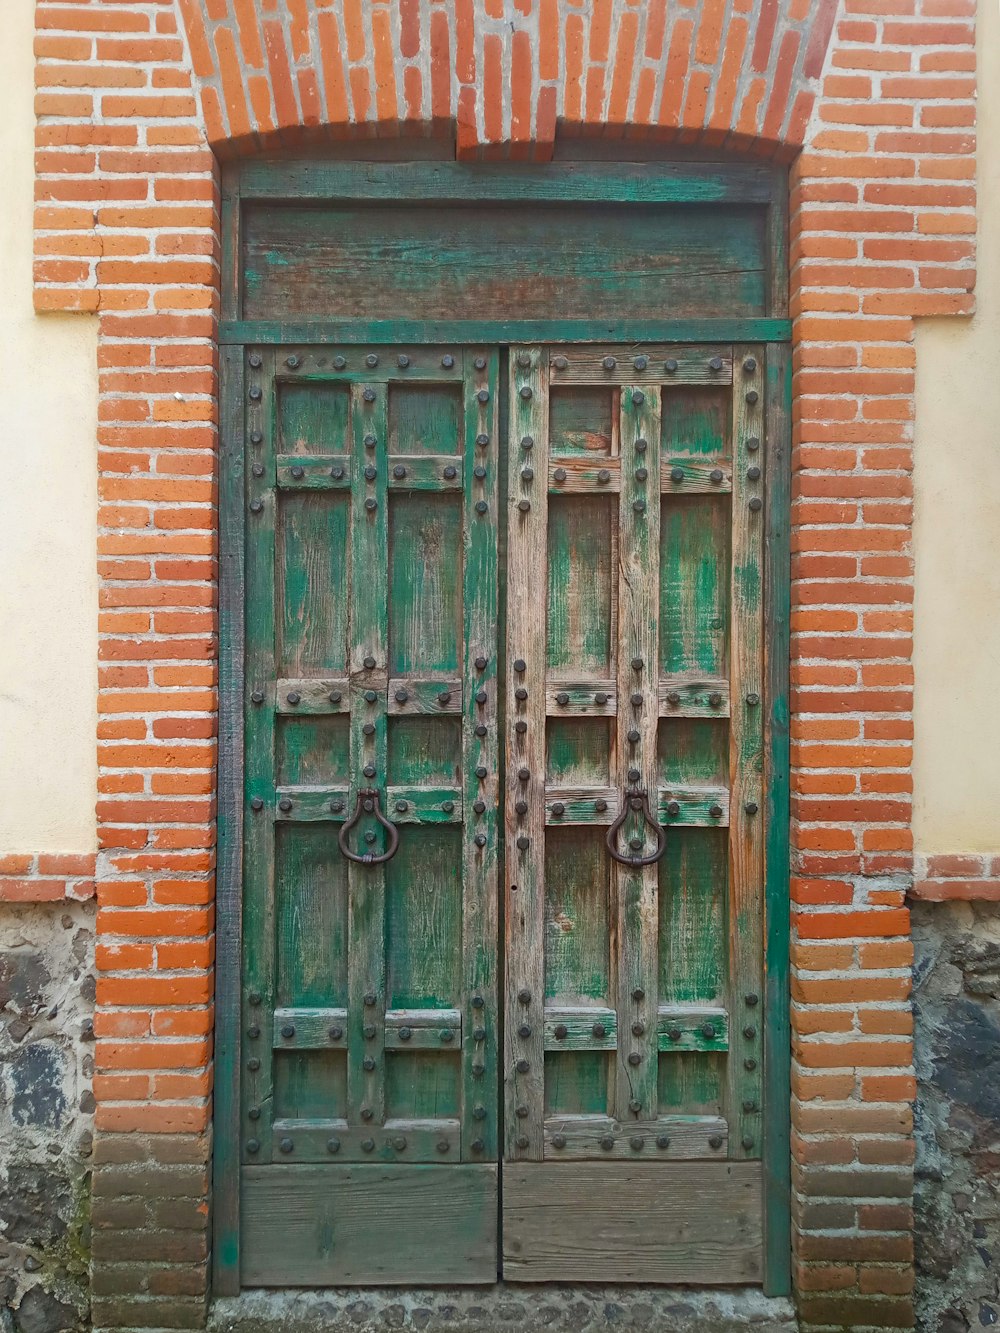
(369,1044)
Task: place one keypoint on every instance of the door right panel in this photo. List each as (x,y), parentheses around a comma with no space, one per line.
(634,815)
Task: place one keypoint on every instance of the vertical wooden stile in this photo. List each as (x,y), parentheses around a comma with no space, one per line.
(525,753)
(777,1044)
(635,894)
(368,670)
(480,1028)
(746,758)
(229,934)
(259,723)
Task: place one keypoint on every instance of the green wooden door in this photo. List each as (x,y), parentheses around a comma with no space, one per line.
(589,1025)
(632,1072)
(369,1095)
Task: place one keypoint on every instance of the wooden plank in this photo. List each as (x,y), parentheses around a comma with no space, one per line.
(300,804)
(480,447)
(685,476)
(326,694)
(425,472)
(441,182)
(442,262)
(406,1141)
(319,472)
(707,807)
(368,650)
(636,889)
(309,1029)
(678,1222)
(229,881)
(693,696)
(230,236)
(424,805)
(259,882)
(358,332)
(746,826)
(581,805)
(584,1029)
(525,753)
(423,1029)
(601,1138)
(594,697)
(570,475)
(777,1043)
(361,1225)
(373,364)
(777,245)
(692,1028)
(649,363)
(410,695)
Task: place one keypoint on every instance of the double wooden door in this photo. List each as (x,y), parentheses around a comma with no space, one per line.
(504,814)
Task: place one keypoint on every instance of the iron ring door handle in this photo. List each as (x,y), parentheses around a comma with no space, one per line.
(635,800)
(368,803)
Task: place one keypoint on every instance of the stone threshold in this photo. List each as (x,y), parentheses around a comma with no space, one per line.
(504,1308)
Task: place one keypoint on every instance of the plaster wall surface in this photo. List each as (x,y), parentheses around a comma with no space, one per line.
(48,513)
(956,534)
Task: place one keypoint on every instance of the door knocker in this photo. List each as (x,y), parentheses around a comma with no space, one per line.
(636,800)
(368,804)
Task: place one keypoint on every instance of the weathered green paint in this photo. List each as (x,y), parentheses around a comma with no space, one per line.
(777,590)
(443,262)
(397,182)
(596,328)
(226,1158)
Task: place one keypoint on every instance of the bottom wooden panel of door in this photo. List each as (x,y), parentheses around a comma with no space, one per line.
(330,1226)
(690,1222)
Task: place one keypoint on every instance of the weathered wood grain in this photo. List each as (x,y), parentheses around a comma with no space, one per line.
(666,1139)
(746,744)
(439,262)
(636,889)
(480,1110)
(259,884)
(690,1222)
(229,892)
(659,364)
(525,751)
(368,643)
(777,1050)
(358,1225)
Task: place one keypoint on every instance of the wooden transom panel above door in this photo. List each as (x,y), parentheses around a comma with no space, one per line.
(503,894)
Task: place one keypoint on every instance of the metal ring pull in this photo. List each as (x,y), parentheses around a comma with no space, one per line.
(368,803)
(636,800)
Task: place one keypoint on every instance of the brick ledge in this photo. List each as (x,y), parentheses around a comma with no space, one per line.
(957,876)
(45,877)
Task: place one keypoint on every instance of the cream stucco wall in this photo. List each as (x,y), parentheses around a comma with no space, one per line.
(957,531)
(48,500)
(48,615)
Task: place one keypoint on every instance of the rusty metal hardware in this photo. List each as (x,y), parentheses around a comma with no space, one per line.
(636,800)
(368,803)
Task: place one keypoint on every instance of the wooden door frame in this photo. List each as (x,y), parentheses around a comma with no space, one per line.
(327,181)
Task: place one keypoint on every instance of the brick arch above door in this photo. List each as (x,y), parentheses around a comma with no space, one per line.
(506,73)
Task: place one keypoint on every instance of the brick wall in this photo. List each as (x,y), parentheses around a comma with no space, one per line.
(874,100)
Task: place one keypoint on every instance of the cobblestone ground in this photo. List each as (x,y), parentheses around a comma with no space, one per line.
(504,1309)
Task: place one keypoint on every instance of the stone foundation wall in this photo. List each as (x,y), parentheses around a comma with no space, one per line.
(957,1197)
(46,1114)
